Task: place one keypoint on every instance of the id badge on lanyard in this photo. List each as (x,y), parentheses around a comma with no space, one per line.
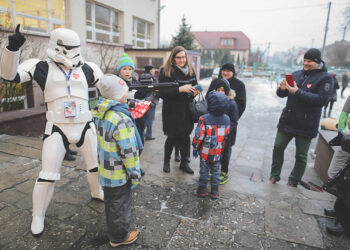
(69,107)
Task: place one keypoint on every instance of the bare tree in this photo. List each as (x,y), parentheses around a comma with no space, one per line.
(108,56)
(337,54)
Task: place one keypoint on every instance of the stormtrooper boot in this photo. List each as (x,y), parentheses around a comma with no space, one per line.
(42,194)
(95,187)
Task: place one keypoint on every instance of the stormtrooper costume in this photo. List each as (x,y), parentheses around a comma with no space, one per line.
(64,78)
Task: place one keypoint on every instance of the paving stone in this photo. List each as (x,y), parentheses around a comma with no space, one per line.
(248,240)
(11,196)
(15,223)
(25,151)
(57,235)
(332,241)
(187,204)
(156,228)
(193,234)
(151,196)
(233,219)
(293,226)
(76,192)
(9,181)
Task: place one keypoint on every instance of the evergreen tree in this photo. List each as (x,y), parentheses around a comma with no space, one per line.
(183,37)
(226,57)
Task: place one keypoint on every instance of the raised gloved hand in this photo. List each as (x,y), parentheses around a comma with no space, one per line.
(336,140)
(16,40)
(195,153)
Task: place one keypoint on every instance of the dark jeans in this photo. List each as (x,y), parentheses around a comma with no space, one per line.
(118,212)
(140,124)
(343,215)
(225,160)
(149,118)
(184,144)
(330,103)
(302,145)
(214,169)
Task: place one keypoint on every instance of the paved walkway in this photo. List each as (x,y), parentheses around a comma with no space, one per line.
(250,214)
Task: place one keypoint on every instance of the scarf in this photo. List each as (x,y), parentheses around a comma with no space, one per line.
(184,69)
(123,107)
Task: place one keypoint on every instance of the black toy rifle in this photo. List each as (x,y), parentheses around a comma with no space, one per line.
(148,84)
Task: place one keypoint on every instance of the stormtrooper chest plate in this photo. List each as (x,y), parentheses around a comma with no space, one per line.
(61,94)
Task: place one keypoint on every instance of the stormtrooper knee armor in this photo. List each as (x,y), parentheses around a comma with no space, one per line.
(64,78)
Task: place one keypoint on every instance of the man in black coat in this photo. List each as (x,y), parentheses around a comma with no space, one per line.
(228,72)
(300,118)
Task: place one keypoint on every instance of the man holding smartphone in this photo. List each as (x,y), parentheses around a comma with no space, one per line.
(308,93)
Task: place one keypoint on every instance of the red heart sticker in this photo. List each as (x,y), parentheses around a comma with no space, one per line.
(308,85)
(76,76)
(121,82)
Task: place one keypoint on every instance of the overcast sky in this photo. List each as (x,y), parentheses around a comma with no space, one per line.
(284,23)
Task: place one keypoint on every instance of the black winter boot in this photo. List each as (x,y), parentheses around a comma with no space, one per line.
(166,167)
(336,229)
(186,168)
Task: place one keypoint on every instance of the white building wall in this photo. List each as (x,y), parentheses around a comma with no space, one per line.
(143,9)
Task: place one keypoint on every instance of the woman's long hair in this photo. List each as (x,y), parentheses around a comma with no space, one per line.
(169,66)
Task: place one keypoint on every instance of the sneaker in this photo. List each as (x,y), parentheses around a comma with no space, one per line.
(202,191)
(132,238)
(223,178)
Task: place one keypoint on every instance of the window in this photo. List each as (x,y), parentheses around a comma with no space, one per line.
(157,62)
(141,33)
(35,16)
(102,24)
(227,42)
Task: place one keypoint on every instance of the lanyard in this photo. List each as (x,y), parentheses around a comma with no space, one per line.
(66,76)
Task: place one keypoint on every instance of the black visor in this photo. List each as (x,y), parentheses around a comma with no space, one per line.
(68,47)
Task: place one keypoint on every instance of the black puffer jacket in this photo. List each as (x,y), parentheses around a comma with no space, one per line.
(176,115)
(301,116)
(239,87)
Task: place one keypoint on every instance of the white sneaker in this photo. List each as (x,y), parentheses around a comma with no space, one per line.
(37,227)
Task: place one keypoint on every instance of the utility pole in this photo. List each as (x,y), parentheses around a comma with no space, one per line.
(326,29)
(268,54)
(344,33)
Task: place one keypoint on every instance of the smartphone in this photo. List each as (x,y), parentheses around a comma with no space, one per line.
(290,80)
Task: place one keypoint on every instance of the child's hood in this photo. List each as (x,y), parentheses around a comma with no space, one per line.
(103,105)
(217,103)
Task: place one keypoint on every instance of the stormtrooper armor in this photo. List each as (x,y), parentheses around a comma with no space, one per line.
(64,78)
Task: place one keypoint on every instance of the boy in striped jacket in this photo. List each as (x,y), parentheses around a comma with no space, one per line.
(211,134)
(118,155)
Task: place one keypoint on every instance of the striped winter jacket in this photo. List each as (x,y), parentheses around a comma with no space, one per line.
(212,129)
(118,151)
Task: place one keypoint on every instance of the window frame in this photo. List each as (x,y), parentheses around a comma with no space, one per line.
(49,20)
(111,34)
(148,38)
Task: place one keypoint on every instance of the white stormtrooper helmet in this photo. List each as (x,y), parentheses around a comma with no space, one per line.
(64,47)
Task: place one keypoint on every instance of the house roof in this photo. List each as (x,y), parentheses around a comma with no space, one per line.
(212,39)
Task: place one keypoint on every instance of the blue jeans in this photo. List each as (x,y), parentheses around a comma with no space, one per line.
(205,167)
(149,118)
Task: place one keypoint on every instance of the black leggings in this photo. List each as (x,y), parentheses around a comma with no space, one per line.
(184,144)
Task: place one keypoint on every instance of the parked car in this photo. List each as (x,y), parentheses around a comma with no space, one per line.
(215,74)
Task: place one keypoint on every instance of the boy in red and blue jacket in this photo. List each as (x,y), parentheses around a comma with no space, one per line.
(211,134)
